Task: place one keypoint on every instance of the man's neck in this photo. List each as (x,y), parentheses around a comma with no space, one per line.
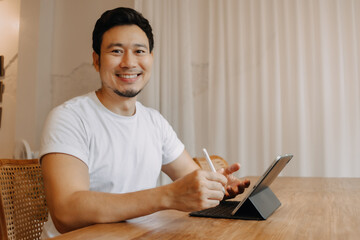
(120,105)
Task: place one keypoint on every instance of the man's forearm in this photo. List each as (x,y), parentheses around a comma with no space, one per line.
(84,208)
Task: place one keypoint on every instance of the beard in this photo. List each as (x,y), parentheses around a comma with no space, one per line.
(127,93)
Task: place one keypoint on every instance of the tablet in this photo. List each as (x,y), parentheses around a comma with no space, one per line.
(266,179)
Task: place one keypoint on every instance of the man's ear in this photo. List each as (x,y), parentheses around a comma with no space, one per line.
(96,61)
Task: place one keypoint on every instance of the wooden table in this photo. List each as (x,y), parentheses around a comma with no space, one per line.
(312,208)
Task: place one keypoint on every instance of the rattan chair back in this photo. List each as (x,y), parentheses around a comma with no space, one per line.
(217,161)
(23,209)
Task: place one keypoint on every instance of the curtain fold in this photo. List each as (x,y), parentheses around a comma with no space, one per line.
(252,79)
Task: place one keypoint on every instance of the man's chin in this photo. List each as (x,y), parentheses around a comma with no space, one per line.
(127,94)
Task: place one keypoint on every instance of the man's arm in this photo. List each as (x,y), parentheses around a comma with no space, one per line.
(73,206)
(181,166)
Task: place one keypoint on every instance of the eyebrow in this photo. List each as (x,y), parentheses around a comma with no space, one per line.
(121,45)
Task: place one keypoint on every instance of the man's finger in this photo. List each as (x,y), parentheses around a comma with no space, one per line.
(216,177)
(232,168)
(247,183)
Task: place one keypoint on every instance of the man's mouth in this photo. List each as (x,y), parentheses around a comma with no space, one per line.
(128,76)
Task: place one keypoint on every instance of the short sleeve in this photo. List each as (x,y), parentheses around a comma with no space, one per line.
(172,146)
(64,132)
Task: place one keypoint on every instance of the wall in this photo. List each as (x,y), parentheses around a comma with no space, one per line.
(55,60)
(9,28)
(72,71)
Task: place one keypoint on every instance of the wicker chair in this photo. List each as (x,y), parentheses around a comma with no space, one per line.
(23,210)
(218,162)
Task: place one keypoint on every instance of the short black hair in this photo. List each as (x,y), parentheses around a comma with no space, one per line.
(118,17)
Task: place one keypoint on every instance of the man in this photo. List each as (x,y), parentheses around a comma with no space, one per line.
(102,152)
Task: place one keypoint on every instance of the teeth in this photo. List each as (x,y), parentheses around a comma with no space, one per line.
(127,76)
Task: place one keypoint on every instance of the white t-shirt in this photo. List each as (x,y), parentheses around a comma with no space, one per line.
(123,154)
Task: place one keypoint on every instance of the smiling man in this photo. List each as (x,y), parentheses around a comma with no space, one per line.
(102,153)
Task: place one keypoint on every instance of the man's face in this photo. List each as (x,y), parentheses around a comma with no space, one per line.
(125,61)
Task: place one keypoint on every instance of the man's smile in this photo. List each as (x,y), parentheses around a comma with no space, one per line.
(127,75)
(128,78)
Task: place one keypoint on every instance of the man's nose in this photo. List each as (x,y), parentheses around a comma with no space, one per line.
(128,60)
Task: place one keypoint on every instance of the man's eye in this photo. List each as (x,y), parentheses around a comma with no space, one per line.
(117,51)
(139,51)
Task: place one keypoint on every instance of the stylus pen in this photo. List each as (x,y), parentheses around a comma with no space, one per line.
(211,164)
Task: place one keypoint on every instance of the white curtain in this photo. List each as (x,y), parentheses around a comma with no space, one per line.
(252,79)
(170,87)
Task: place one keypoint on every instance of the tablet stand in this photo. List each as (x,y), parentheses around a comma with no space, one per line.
(259,206)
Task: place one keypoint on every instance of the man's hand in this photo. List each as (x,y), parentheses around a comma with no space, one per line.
(197,190)
(194,189)
(234,185)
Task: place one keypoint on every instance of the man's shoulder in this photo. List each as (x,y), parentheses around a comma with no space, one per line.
(85,99)
(77,103)
(75,108)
